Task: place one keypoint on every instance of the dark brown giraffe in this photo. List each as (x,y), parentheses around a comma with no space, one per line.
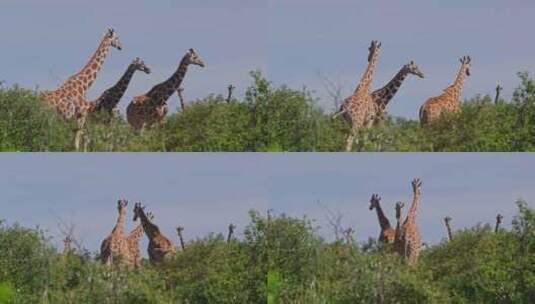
(387,233)
(159,246)
(382,97)
(132,240)
(230,90)
(179,231)
(499,219)
(231,228)
(150,108)
(447,223)
(70,98)
(110,98)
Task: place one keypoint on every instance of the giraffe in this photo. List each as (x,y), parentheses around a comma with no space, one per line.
(132,240)
(159,245)
(115,244)
(382,97)
(230,89)
(69,99)
(397,235)
(387,233)
(67,241)
(449,101)
(110,98)
(231,228)
(410,239)
(145,110)
(359,108)
(499,219)
(447,221)
(179,231)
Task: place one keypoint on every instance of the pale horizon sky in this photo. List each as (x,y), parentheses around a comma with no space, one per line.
(206,192)
(295,42)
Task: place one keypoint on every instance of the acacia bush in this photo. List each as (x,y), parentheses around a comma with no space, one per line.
(477,266)
(209,270)
(271,118)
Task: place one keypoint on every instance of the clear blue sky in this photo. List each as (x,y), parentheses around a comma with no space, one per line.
(45,42)
(308,38)
(205,192)
(294,41)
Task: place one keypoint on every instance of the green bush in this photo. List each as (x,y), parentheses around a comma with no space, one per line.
(477,266)
(271,118)
(209,270)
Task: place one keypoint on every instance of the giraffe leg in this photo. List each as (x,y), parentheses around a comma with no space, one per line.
(77,139)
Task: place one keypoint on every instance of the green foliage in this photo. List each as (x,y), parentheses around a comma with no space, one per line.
(273,119)
(477,266)
(209,270)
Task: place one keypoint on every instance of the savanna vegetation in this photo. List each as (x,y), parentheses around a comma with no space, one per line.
(208,270)
(478,265)
(274,118)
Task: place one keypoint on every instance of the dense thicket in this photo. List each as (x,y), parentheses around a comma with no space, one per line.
(477,266)
(270,118)
(209,270)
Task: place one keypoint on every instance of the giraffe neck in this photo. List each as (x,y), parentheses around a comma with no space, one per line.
(383,221)
(448,227)
(364,84)
(457,86)
(385,94)
(88,74)
(411,216)
(118,90)
(151,230)
(165,89)
(135,234)
(119,226)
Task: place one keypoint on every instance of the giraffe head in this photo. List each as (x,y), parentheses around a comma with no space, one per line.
(466,62)
(374,201)
(412,68)
(399,206)
(499,218)
(114,39)
(140,65)
(416,185)
(193,58)
(138,210)
(121,204)
(374,48)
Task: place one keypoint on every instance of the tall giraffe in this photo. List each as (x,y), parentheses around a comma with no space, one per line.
(132,240)
(397,236)
(159,245)
(387,233)
(447,223)
(359,108)
(69,99)
(449,101)
(147,109)
(115,245)
(410,239)
(499,219)
(110,98)
(382,97)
